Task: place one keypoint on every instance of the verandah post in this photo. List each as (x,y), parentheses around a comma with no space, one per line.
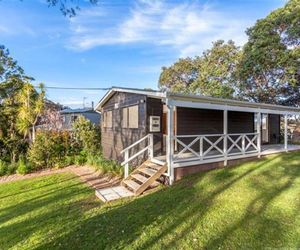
(126,172)
(151,146)
(285,132)
(258,129)
(170,139)
(225,132)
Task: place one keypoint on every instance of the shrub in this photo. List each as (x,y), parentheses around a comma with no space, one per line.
(87,135)
(11,168)
(49,148)
(3,168)
(105,166)
(69,160)
(80,159)
(23,167)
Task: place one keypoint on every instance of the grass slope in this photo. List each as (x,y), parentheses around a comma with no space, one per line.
(254,205)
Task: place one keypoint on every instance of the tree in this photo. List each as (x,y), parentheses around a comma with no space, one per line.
(211,74)
(16,117)
(270,67)
(11,81)
(179,76)
(31,106)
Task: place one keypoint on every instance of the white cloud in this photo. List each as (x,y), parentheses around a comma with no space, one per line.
(187,27)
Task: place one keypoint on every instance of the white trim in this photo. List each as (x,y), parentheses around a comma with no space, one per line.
(202,105)
(285,133)
(170,144)
(152,93)
(258,130)
(230,102)
(225,132)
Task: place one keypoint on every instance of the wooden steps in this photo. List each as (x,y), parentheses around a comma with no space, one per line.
(143,177)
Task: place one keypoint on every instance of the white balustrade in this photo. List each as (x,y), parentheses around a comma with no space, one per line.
(209,146)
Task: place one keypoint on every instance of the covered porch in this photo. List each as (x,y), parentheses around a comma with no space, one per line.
(229,130)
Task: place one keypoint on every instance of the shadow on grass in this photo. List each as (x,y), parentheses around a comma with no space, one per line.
(177,207)
(31,189)
(21,221)
(164,217)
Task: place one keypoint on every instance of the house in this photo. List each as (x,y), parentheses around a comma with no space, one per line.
(70,115)
(188,133)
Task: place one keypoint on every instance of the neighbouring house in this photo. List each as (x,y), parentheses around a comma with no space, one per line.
(188,133)
(70,115)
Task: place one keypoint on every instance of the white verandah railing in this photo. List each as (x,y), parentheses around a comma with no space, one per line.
(210,146)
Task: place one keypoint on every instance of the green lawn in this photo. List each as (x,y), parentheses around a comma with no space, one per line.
(254,205)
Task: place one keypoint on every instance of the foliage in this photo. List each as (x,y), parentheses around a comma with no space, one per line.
(23,167)
(68,8)
(80,159)
(104,165)
(11,168)
(87,135)
(251,206)
(211,74)
(3,167)
(30,108)
(50,148)
(269,68)
(19,107)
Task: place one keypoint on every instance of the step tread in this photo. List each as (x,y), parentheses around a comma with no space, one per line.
(132,184)
(152,165)
(147,171)
(139,177)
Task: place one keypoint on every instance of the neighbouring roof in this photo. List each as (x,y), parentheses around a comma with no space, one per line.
(193,98)
(73,111)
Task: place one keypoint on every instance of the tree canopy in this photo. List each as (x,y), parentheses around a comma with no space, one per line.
(266,69)
(20,106)
(212,73)
(270,65)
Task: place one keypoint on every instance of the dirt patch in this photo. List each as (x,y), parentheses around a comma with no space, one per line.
(86,174)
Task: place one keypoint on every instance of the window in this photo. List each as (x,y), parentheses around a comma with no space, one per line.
(107,121)
(130,117)
(133,116)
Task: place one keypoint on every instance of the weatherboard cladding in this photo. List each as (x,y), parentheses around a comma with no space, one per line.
(117,138)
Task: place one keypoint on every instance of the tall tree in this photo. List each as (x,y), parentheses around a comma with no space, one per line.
(31,106)
(11,81)
(270,66)
(212,73)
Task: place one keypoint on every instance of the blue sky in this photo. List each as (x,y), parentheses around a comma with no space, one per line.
(118,43)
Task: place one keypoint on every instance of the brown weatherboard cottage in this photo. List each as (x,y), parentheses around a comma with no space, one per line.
(187,133)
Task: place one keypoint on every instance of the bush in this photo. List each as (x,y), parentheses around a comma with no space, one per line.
(50,148)
(87,135)
(105,166)
(23,167)
(3,168)
(11,168)
(69,160)
(80,159)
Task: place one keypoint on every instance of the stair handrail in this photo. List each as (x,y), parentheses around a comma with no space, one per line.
(127,158)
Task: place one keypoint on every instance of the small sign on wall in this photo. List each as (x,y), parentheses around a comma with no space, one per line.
(154,123)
